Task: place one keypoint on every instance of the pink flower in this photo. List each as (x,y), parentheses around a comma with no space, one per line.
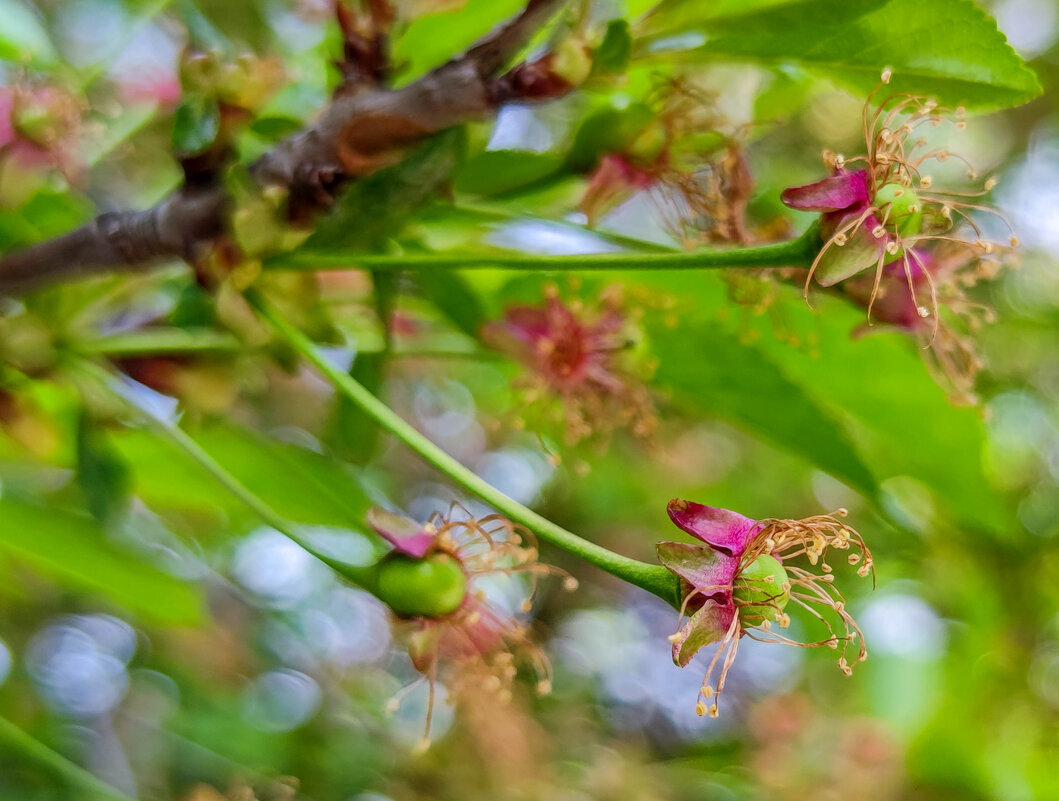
(574,354)
(845,203)
(884,212)
(743,577)
(615,180)
(470,642)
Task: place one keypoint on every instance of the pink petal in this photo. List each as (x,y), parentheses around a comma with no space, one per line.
(840,191)
(719,528)
(709,624)
(703,569)
(405,535)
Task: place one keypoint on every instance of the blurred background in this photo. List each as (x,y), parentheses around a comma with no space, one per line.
(153,631)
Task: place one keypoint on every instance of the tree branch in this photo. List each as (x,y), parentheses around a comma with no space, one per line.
(364,129)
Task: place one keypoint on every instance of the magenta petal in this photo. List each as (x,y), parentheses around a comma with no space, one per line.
(709,624)
(705,571)
(406,535)
(719,528)
(831,194)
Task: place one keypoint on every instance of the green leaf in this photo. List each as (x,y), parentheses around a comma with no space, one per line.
(298,484)
(103,475)
(357,434)
(376,208)
(497,171)
(435,38)
(608,129)
(196,124)
(454,298)
(22,36)
(875,389)
(947,49)
(612,55)
(710,370)
(73,549)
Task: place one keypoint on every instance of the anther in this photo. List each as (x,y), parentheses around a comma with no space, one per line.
(878,232)
(700,709)
(990,184)
(570,584)
(925,181)
(887,74)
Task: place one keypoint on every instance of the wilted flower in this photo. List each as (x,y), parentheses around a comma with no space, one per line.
(574,354)
(689,159)
(739,583)
(884,211)
(431,581)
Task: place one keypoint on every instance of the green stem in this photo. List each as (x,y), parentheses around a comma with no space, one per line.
(653,578)
(160,342)
(62,768)
(361,576)
(795,253)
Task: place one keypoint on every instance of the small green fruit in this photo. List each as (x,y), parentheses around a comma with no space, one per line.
(431,587)
(905,213)
(761,591)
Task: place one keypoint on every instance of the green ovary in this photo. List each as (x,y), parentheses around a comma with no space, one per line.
(761,591)
(431,587)
(901,207)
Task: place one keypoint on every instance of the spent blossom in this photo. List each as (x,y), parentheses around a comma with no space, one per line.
(741,580)
(575,354)
(688,159)
(432,581)
(882,208)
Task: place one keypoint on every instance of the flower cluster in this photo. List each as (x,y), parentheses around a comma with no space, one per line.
(574,354)
(739,583)
(432,582)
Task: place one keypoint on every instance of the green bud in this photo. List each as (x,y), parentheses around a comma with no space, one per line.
(761,590)
(430,587)
(573,61)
